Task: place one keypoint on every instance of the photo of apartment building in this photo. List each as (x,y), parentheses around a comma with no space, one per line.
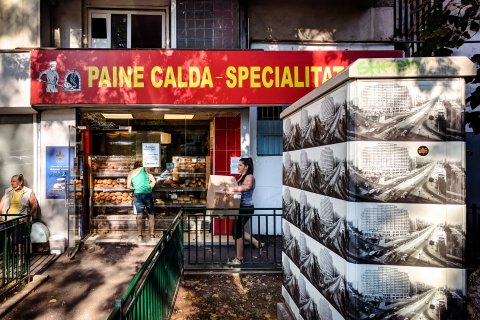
(385,283)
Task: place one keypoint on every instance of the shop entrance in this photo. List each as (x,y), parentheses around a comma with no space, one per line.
(181,164)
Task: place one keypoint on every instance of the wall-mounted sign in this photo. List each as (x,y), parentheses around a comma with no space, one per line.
(151,155)
(56,172)
(184,77)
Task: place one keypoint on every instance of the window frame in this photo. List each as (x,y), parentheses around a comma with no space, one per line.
(270,115)
(101,13)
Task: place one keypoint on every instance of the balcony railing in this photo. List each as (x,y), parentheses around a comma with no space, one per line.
(14,250)
(151,293)
(209,244)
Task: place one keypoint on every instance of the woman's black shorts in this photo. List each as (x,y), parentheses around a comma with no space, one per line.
(241,220)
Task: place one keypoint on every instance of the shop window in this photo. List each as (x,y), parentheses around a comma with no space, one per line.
(269,131)
(128,29)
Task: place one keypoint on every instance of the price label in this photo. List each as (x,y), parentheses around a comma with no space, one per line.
(173,196)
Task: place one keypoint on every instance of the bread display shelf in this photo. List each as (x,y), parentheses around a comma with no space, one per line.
(111,165)
(112,189)
(110,175)
(180,205)
(188,174)
(166,205)
(179,189)
(183,186)
(113,205)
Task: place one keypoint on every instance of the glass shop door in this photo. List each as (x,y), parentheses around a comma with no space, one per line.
(75,187)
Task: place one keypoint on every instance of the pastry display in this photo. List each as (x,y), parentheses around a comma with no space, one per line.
(184,186)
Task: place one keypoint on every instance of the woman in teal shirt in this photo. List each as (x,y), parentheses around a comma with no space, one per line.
(142,183)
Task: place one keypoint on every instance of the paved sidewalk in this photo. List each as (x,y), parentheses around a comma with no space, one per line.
(84,287)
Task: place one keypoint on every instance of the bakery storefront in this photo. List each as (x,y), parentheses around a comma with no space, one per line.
(185,114)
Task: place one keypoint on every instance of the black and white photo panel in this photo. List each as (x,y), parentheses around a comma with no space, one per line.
(320,170)
(319,123)
(313,305)
(411,172)
(325,270)
(322,218)
(430,235)
(291,242)
(291,205)
(407,110)
(397,292)
(290,285)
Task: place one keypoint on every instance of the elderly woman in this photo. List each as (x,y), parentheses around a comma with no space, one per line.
(18,199)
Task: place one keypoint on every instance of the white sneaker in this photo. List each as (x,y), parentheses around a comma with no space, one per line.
(235,262)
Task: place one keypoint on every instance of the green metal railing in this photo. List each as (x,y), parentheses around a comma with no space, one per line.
(151,294)
(15,250)
(209,243)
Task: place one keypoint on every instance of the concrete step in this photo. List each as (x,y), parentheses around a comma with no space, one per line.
(125,237)
(127,222)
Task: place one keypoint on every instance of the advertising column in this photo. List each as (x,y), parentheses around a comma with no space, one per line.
(374,193)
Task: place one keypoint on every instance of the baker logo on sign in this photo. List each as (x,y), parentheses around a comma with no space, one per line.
(72,81)
(422,150)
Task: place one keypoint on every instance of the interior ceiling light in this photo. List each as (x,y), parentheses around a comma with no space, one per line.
(170,116)
(117,115)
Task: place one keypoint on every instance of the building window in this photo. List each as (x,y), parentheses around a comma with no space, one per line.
(269,131)
(128,29)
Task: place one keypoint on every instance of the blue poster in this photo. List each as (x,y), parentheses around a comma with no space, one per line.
(57,171)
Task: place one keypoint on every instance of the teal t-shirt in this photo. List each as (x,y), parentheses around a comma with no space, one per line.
(140,182)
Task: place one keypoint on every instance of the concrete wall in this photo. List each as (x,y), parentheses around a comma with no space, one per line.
(20,24)
(318,21)
(17,120)
(15,80)
(17,154)
(54,131)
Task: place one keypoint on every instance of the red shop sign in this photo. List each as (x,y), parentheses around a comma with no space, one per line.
(162,77)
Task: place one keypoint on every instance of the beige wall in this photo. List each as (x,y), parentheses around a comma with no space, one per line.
(15,83)
(20,24)
(17,154)
(54,131)
(320,21)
